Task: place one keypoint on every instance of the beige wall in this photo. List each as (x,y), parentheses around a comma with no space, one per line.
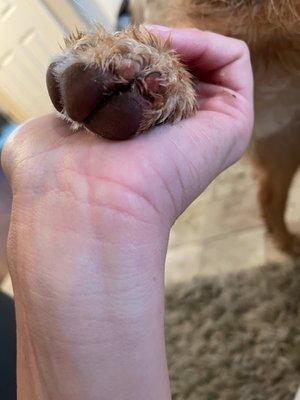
(31,34)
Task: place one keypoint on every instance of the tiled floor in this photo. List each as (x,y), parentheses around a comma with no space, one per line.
(222,230)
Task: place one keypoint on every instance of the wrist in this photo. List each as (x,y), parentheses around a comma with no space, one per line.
(121,361)
(112,280)
(105,335)
(89,304)
(61,247)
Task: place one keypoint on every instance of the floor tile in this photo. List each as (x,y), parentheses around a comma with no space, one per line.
(189,226)
(232,213)
(232,252)
(183,263)
(293,212)
(237,178)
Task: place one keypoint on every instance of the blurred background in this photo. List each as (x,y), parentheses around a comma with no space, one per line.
(227,305)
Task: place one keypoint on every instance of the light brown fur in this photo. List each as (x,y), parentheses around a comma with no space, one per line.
(134,48)
(271,29)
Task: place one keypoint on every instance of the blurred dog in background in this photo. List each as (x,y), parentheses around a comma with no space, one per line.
(271,28)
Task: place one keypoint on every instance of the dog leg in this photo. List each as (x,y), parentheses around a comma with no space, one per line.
(117,85)
(277,158)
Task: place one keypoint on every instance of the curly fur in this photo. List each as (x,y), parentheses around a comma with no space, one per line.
(271,28)
(138,48)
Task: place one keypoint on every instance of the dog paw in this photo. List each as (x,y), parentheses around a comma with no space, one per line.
(289,244)
(117,85)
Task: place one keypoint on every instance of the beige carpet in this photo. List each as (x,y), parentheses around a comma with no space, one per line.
(236,336)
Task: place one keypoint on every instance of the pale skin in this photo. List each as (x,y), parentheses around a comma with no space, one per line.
(90,226)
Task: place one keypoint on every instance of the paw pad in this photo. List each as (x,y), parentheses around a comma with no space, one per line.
(117,85)
(109,104)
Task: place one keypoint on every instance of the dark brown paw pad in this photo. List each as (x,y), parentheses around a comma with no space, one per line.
(111,104)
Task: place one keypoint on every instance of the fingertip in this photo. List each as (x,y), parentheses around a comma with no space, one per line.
(163,32)
(184,41)
(158,28)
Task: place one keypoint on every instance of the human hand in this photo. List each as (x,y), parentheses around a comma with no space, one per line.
(90,225)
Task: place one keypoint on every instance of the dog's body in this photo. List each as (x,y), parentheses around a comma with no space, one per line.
(271,29)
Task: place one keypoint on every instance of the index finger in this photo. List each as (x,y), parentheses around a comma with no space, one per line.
(225,60)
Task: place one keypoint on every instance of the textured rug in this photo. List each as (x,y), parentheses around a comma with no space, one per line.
(235,337)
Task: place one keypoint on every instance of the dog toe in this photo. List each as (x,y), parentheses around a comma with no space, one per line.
(53,87)
(120,117)
(82,88)
(106,103)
